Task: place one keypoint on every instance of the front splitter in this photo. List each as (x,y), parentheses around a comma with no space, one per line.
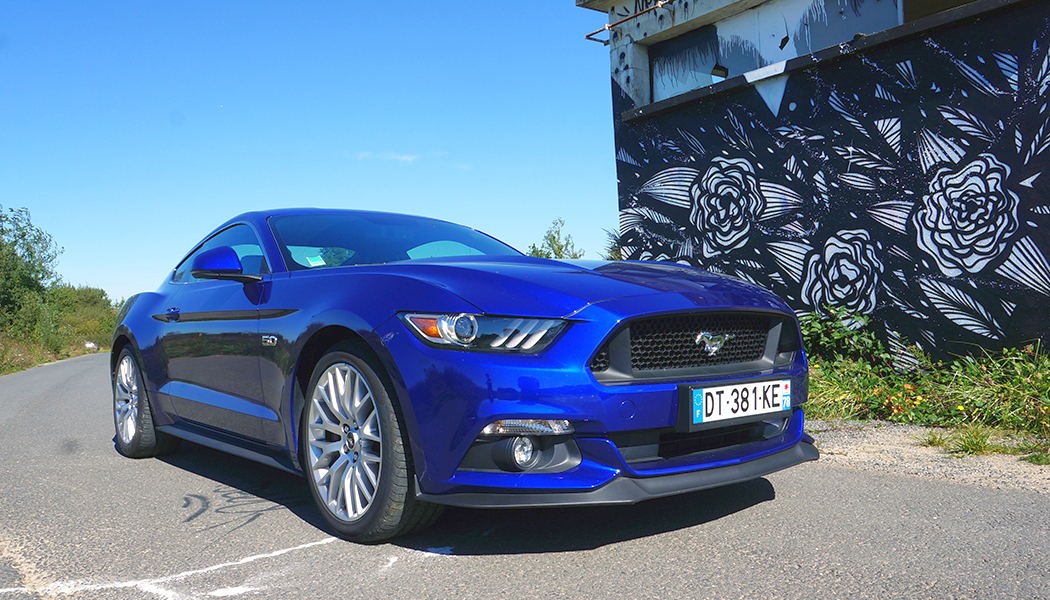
(631,490)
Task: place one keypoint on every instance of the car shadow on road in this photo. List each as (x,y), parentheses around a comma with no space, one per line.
(248,490)
(462,531)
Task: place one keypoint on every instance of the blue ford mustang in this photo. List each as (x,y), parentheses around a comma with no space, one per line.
(402,364)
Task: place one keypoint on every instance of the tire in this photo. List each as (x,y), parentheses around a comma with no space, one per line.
(352,443)
(137,436)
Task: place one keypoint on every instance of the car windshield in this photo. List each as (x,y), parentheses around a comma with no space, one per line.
(313,241)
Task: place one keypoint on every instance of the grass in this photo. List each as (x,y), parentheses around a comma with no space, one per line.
(1035,452)
(21,354)
(975,439)
(55,325)
(1038,458)
(972,440)
(935,438)
(975,400)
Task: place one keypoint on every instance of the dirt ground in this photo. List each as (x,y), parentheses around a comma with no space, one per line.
(896,448)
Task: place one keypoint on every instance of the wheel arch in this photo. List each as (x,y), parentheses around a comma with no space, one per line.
(373,352)
(119,343)
(124,338)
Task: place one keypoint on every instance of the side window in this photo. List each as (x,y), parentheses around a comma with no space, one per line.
(243,241)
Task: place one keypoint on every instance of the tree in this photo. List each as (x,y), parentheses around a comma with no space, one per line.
(27,259)
(553,245)
(613,249)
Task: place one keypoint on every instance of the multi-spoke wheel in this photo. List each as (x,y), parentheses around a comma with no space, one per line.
(354,453)
(132,418)
(345,441)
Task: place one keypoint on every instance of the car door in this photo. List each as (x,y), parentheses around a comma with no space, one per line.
(211,342)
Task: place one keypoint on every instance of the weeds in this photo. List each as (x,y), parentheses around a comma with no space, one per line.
(935,438)
(853,376)
(1039,458)
(972,440)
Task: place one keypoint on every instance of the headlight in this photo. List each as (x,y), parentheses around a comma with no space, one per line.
(480,332)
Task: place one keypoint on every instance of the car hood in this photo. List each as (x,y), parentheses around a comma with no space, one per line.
(527,286)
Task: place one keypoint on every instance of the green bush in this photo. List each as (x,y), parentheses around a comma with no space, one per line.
(853,376)
(42,319)
(55,324)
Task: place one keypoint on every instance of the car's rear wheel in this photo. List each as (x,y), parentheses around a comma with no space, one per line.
(353,450)
(137,436)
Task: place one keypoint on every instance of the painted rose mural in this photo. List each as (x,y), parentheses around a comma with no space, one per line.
(908,182)
(846,273)
(968,215)
(724,203)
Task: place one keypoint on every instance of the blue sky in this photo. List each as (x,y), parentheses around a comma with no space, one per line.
(131,129)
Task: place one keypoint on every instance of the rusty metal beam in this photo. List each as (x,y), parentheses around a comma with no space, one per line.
(608,27)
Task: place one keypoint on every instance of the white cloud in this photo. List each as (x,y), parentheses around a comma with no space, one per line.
(394,156)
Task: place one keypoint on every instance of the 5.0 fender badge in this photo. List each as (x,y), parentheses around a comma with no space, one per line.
(711,343)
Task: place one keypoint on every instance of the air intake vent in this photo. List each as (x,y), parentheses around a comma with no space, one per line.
(600,362)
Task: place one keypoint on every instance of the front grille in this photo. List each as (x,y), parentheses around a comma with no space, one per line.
(655,446)
(673,444)
(697,344)
(671,342)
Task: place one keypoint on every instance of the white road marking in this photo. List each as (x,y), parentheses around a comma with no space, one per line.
(152,586)
(389,563)
(163,592)
(233,591)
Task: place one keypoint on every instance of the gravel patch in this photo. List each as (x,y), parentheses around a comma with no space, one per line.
(895,448)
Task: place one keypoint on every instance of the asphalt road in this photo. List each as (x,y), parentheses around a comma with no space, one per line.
(79,520)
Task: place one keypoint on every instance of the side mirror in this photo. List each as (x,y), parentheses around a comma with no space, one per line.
(220,263)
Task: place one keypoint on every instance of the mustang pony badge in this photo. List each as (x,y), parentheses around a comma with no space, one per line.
(712,342)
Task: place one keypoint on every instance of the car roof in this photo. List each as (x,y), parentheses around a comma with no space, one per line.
(259,217)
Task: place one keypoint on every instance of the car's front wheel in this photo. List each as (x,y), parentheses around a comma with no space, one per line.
(354,452)
(136,435)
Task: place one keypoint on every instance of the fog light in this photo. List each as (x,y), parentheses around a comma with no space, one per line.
(524,450)
(528,427)
(523,453)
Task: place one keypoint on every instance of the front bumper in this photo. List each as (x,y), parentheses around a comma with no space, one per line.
(448,396)
(630,490)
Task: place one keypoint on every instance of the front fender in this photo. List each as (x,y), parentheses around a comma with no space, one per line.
(318,310)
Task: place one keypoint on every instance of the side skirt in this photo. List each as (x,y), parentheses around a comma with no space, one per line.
(228,446)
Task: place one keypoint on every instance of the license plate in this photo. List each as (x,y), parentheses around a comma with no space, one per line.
(721,403)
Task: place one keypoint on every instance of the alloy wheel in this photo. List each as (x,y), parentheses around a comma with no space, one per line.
(126,399)
(344,442)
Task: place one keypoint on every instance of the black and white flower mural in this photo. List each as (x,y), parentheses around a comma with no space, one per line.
(909,182)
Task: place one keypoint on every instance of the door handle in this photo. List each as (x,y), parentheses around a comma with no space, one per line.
(172,314)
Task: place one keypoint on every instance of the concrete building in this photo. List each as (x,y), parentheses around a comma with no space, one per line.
(887,156)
